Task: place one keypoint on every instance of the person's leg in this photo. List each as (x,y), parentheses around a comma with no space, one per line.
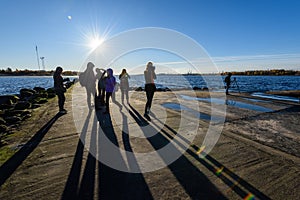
(147,89)
(227,88)
(151,94)
(108,94)
(61,100)
(122,96)
(126,94)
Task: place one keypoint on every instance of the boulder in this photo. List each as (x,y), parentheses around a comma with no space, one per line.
(3,129)
(22,105)
(139,89)
(8,99)
(39,89)
(25,93)
(13,119)
(2,121)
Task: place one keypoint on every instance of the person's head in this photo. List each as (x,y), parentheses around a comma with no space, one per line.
(58,70)
(90,66)
(150,66)
(230,74)
(124,71)
(109,72)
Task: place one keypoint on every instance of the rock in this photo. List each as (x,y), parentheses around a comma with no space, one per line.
(139,89)
(51,95)
(39,89)
(39,100)
(25,93)
(50,90)
(5,106)
(17,112)
(2,121)
(196,88)
(22,105)
(34,106)
(3,129)
(13,119)
(8,99)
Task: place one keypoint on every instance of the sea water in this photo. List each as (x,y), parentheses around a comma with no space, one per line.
(251,84)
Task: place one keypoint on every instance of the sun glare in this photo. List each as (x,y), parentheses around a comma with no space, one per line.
(95,42)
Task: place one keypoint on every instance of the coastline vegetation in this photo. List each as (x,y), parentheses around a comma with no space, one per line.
(26,72)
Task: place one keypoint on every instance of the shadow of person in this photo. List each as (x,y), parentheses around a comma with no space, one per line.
(9,167)
(87,79)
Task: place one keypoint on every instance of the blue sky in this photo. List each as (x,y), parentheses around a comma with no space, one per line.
(237,34)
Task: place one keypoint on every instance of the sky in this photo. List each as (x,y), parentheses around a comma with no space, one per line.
(237,35)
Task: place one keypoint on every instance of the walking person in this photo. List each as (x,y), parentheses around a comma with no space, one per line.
(228,82)
(60,89)
(124,85)
(101,84)
(110,82)
(150,87)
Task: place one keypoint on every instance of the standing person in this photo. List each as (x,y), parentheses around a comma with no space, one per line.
(110,82)
(228,82)
(150,87)
(101,85)
(87,79)
(124,85)
(60,89)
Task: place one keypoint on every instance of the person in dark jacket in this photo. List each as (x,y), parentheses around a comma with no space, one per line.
(110,83)
(150,87)
(228,82)
(60,88)
(101,84)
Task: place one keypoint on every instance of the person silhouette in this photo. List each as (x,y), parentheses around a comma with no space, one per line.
(101,84)
(110,82)
(150,88)
(87,79)
(124,85)
(228,82)
(60,88)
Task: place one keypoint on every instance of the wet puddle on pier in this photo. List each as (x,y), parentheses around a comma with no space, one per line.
(200,115)
(229,102)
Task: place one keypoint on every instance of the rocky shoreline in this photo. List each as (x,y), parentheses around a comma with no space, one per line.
(18,107)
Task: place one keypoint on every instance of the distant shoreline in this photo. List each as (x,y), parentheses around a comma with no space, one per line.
(272,72)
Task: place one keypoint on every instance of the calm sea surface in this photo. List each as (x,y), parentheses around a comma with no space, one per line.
(13,84)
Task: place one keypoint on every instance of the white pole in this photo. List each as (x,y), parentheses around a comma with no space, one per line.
(37,55)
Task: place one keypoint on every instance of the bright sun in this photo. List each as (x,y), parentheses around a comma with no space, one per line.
(95,42)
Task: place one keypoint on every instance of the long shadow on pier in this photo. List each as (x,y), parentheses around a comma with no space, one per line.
(8,168)
(115,184)
(237,184)
(195,183)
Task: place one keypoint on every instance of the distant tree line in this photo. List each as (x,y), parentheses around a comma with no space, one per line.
(26,72)
(272,72)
